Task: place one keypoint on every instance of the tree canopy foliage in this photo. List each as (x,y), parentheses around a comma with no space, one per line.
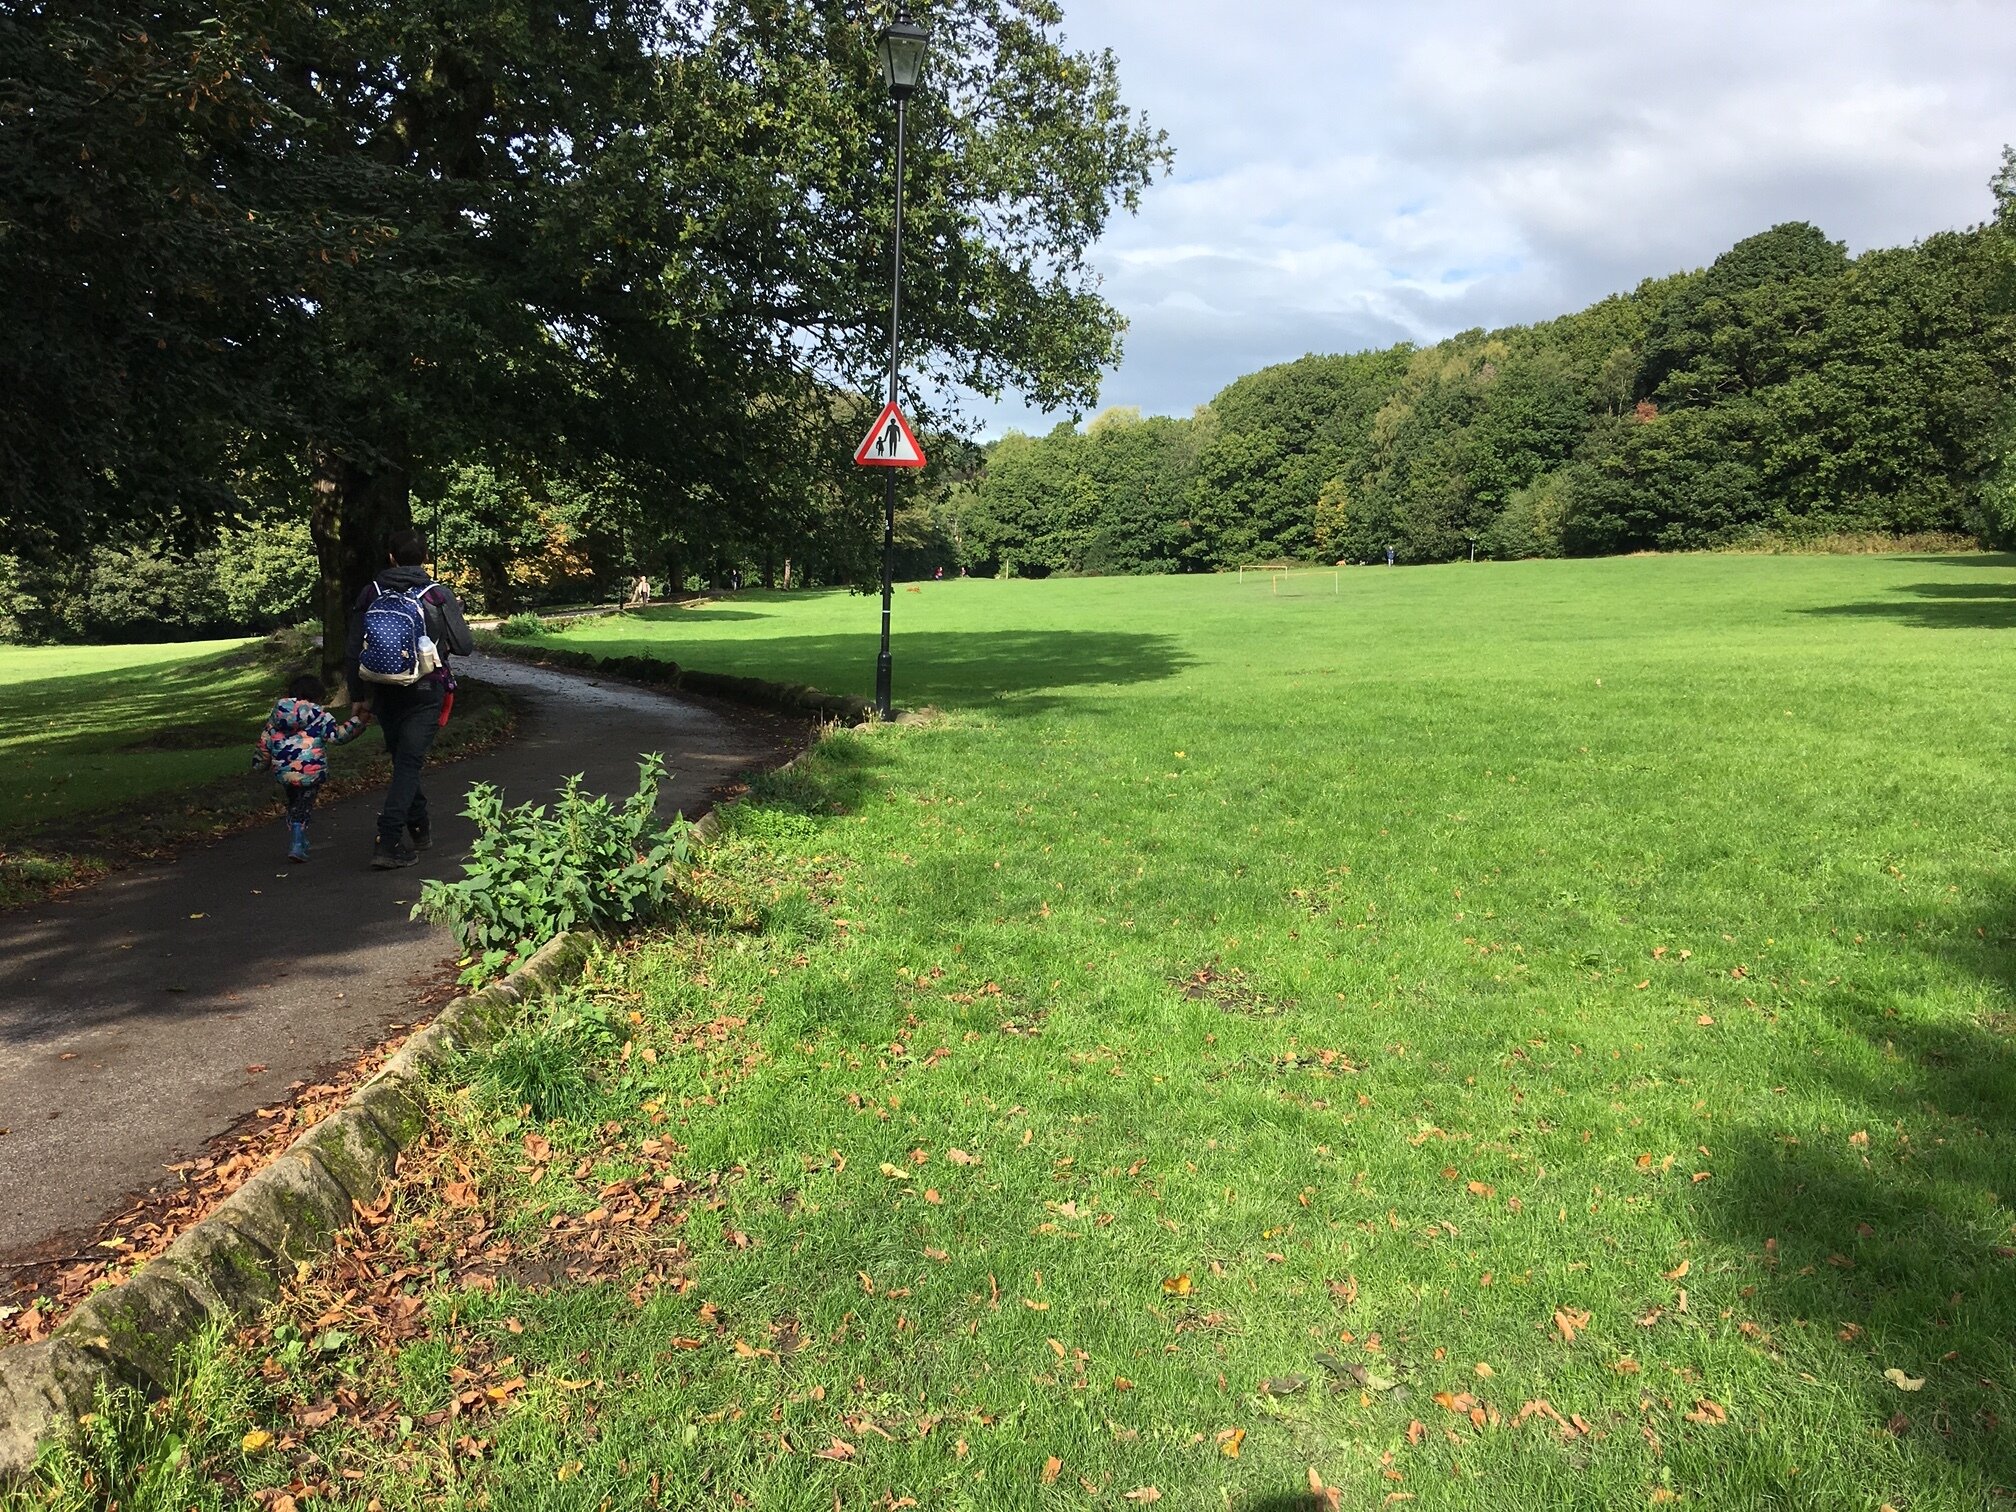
(1786,388)
(299,259)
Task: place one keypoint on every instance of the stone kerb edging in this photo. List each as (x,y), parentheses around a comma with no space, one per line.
(654,672)
(232,1263)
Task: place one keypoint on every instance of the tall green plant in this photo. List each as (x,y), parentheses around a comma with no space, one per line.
(533,874)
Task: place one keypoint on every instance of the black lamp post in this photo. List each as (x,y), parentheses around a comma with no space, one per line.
(902,48)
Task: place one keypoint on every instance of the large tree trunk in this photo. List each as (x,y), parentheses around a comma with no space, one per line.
(354,513)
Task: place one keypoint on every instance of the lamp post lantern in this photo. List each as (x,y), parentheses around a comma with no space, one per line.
(902,48)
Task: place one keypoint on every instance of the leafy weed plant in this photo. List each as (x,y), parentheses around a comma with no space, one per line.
(532,874)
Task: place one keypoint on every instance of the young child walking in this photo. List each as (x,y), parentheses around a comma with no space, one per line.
(292,748)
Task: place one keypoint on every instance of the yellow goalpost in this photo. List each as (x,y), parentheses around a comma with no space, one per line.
(1292,579)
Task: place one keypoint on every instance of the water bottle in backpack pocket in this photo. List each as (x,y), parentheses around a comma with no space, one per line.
(397,648)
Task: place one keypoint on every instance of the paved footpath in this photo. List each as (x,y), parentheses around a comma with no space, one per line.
(147,1014)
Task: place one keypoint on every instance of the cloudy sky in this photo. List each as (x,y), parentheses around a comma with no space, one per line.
(1350,174)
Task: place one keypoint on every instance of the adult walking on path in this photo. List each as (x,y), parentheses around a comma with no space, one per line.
(143,1016)
(389,676)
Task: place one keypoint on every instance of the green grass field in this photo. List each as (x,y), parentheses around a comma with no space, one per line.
(1527,1036)
(88,727)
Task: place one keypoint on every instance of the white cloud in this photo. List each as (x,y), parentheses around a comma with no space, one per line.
(1354,174)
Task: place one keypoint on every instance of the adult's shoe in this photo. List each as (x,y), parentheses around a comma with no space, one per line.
(423,834)
(386,854)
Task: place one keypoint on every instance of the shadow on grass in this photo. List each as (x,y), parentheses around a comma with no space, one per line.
(1888,1238)
(949,669)
(126,700)
(1939,606)
(2004,559)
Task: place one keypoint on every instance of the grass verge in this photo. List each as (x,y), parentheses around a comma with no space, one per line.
(1522,1037)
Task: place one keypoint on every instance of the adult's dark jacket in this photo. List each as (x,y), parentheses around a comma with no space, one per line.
(445,624)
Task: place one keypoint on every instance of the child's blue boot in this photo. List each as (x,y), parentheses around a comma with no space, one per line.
(298,829)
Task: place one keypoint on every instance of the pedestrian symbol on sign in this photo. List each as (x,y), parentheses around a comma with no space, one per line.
(889,442)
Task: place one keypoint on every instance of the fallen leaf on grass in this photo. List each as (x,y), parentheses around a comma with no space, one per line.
(1569,1321)
(1144,1494)
(1229,1440)
(1416,1431)
(1859,1139)
(1035,1306)
(1902,1381)
(936,1254)
(1177,1286)
(961,1158)
(1051,1467)
(1284,1385)
(1121,1383)
(256,1440)
(839,1449)
(1706,1411)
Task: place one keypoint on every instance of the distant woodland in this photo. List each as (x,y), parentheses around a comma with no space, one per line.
(1787,391)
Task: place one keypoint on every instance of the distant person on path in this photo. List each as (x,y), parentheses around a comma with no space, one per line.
(640,593)
(293,748)
(403,628)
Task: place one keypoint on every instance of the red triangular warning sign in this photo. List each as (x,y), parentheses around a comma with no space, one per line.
(889,442)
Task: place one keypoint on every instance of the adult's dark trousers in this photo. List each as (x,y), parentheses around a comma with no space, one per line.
(411,718)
